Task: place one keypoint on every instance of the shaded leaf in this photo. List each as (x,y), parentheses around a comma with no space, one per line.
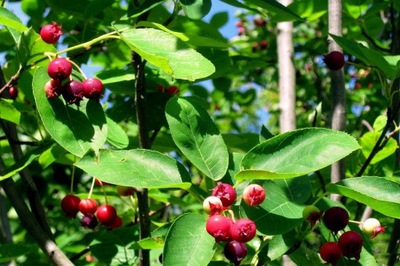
(196,9)
(9,112)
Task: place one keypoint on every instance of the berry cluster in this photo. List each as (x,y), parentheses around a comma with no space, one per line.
(226,229)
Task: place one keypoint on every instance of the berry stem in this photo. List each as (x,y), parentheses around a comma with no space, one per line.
(80,70)
(91,187)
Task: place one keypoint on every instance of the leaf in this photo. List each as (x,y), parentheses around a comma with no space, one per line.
(282,13)
(116,135)
(9,112)
(173,57)
(379,193)
(197,137)
(10,252)
(188,243)
(279,244)
(196,9)
(296,153)
(11,21)
(76,129)
(368,141)
(148,243)
(136,168)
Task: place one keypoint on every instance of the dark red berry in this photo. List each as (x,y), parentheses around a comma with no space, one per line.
(70,205)
(259,22)
(125,191)
(235,251)
(336,218)
(334,60)
(116,223)
(59,68)
(51,33)
(351,243)
(88,206)
(264,44)
(106,214)
(330,252)
(243,230)
(92,88)
(13,92)
(254,195)
(225,192)
(172,90)
(72,92)
(219,226)
(89,221)
(52,88)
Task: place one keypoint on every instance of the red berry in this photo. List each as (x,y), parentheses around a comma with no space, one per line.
(330,252)
(351,243)
(243,230)
(239,24)
(106,214)
(125,191)
(13,92)
(264,44)
(52,88)
(336,218)
(72,92)
(89,221)
(254,195)
(92,88)
(88,206)
(70,205)
(219,226)
(225,192)
(59,68)
(213,205)
(172,90)
(51,33)
(334,60)
(117,222)
(235,251)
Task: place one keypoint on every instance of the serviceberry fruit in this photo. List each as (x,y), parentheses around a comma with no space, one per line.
(59,68)
(312,214)
(92,88)
(72,92)
(89,221)
(106,214)
(235,251)
(336,218)
(13,92)
(52,88)
(51,33)
(88,206)
(372,227)
(330,252)
(117,222)
(213,205)
(218,226)
(225,192)
(351,243)
(243,230)
(254,195)
(334,60)
(125,191)
(70,205)
(172,90)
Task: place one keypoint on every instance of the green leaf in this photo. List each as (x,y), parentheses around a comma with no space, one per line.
(148,243)
(173,57)
(116,135)
(196,9)
(9,112)
(282,13)
(379,193)
(76,129)
(279,244)
(296,153)
(11,21)
(188,243)
(368,141)
(115,75)
(10,252)
(197,137)
(136,168)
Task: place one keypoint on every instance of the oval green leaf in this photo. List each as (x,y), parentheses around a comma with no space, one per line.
(188,243)
(296,153)
(136,168)
(379,193)
(196,9)
(197,137)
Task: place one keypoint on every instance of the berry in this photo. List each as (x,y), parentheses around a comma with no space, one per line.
(70,205)
(259,22)
(125,191)
(52,88)
(254,195)
(330,252)
(51,33)
(72,92)
(372,227)
(336,218)
(92,88)
(225,192)
(13,92)
(312,214)
(89,221)
(59,68)
(243,230)
(350,243)
(235,251)
(334,60)
(172,90)
(213,205)
(239,24)
(219,226)
(106,214)
(264,44)
(117,222)
(88,206)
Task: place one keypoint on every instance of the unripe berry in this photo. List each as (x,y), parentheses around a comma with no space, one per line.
(225,192)
(235,251)
(330,252)
(219,226)
(88,207)
(52,88)
(312,214)
(254,195)
(51,33)
(213,205)
(59,68)
(72,92)
(336,218)
(70,205)
(92,88)
(243,230)
(351,243)
(372,227)
(334,60)
(106,214)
